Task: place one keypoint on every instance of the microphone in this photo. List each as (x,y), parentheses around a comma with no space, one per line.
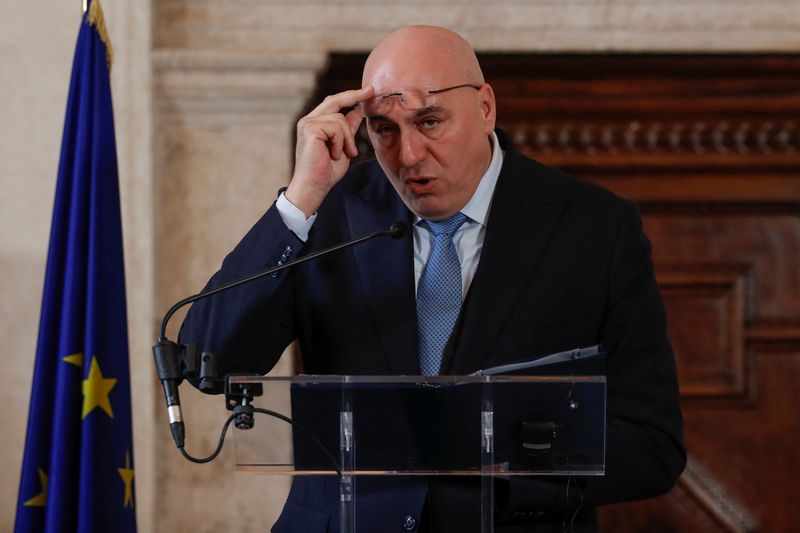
(165,351)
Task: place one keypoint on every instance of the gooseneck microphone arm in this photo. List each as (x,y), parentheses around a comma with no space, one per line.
(165,351)
(396,230)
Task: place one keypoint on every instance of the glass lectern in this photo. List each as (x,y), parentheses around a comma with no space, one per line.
(417,425)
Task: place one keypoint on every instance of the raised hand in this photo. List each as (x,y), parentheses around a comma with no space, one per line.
(325,145)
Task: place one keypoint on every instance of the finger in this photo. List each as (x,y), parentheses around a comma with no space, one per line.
(335,102)
(353,121)
(338,134)
(336,126)
(335,146)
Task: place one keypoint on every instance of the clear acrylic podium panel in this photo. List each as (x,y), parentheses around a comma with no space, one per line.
(420,425)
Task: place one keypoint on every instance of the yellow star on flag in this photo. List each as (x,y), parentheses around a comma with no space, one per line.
(40,500)
(127,477)
(74,359)
(96,389)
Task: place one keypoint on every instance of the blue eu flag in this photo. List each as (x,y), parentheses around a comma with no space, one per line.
(77,472)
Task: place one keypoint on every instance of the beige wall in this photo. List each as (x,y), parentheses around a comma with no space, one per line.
(36,46)
(205,95)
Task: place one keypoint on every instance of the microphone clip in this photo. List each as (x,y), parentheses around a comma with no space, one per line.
(201,367)
(243,416)
(178,362)
(238,398)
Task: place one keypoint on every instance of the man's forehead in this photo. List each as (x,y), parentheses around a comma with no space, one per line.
(389,77)
(396,73)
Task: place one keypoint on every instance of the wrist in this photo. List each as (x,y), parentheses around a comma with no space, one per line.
(307,201)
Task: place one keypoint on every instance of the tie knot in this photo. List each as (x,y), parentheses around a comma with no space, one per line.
(448,226)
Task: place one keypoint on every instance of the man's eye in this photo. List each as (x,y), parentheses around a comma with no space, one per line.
(384,130)
(429,123)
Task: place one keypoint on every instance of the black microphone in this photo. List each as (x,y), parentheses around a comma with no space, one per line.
(165,351)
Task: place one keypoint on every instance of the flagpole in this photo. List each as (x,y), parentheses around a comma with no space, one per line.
(84,6)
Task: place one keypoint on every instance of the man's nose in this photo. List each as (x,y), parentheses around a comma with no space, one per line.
(412,148)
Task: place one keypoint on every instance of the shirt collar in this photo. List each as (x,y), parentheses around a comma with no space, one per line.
(477,208)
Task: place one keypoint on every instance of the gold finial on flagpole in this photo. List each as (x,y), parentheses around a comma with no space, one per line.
(96,19)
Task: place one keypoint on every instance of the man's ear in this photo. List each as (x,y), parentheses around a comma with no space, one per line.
(488,107)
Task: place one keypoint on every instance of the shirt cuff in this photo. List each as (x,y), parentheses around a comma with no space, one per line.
(294,218)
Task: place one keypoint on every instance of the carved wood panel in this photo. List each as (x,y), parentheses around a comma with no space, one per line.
(709,148)
(709,298)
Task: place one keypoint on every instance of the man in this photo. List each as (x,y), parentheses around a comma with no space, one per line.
(547,263)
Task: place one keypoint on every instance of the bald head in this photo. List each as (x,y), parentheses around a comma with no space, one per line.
(421,56)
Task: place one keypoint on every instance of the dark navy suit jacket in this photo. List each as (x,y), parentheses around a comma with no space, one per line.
(564,264)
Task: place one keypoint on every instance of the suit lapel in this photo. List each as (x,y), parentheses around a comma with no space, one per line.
(386,270)
(524,213)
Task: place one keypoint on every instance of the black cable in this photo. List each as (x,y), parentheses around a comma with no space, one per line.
(308,434)
(571,529)
(215,453)
(578,508)
(572,479)
(286,419)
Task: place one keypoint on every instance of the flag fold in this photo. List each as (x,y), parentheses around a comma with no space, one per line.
(78,472)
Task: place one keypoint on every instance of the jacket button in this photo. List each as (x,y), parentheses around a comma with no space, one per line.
(409,523)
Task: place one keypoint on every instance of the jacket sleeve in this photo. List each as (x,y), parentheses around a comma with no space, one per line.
(248,327)
(645,454)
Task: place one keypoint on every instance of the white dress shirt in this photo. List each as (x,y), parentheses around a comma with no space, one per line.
(468,239)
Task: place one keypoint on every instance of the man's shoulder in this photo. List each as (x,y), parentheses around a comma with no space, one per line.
(536,179)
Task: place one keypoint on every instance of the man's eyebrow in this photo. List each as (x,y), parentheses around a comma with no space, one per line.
(425,110)
(417,113)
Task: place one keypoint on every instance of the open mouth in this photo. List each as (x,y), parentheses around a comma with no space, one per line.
(420,185)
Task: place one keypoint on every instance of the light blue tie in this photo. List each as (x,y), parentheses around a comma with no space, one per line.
(438,294)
